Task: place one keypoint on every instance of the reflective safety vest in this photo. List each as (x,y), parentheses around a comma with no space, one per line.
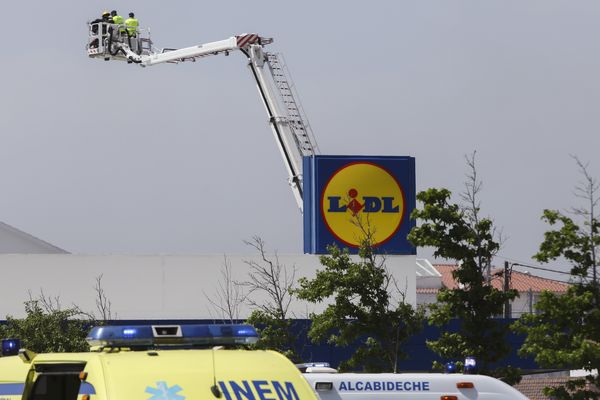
(132,25)
(117,19)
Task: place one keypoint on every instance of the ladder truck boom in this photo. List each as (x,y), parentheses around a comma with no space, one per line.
(292,134)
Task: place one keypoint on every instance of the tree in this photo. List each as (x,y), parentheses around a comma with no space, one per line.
(47,327)
(364,309)
(274,282)
(103,303)
(564,332)
(228,297)
(458,232)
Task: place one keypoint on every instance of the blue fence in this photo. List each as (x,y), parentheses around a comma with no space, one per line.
(420,358)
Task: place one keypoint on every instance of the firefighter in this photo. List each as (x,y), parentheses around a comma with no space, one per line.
(102,19)
(118,20)
(132,24)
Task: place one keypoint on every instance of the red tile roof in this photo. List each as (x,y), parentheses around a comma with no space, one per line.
(520,281)
(427,290)
(533,387)
(523,282)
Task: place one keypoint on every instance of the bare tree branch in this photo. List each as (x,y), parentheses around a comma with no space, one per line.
(272,278)
(588,191)
(103,303)
(471,207)
(472,188)
(49,304)
(228,296)
(52,304)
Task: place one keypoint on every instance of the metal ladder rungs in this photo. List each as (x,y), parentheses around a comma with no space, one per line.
(294,115)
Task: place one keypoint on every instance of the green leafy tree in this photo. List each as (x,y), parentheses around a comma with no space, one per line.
(564,332)
(458,232)
(46,329)
(275,334)
(363,309)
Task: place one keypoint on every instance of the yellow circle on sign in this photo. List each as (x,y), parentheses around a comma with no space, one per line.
(362,199)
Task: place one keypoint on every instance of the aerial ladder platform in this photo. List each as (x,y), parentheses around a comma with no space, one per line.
(286,116)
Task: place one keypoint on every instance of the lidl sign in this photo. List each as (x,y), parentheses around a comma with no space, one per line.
(347,198)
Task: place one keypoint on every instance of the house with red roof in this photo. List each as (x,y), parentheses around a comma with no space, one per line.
(528,285)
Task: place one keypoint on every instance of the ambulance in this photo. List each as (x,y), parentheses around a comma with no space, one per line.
(12,371)
(174,362)
(414,386)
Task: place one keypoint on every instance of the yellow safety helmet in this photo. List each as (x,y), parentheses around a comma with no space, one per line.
(105,13)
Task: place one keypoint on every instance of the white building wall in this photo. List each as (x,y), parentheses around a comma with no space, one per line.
(424,299)
(153,286)
(524,304)
(519,306)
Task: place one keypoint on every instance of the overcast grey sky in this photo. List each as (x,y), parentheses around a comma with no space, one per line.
(100,157)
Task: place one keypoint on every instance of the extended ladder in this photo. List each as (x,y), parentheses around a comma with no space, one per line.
(303,134)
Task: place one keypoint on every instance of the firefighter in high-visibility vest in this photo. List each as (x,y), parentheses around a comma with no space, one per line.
(118,20)
(131,25)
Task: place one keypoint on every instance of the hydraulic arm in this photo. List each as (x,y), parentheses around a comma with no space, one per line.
(286,118)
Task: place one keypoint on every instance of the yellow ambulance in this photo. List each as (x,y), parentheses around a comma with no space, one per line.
(174,362)
(13,372)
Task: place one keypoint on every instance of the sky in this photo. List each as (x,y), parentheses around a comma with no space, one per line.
(104,157)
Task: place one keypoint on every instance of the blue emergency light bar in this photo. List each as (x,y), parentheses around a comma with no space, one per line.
(10,347)
(450,368)
(470,365)
(171,335)
(314,365)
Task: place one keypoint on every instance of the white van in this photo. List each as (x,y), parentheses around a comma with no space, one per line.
(425,386)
